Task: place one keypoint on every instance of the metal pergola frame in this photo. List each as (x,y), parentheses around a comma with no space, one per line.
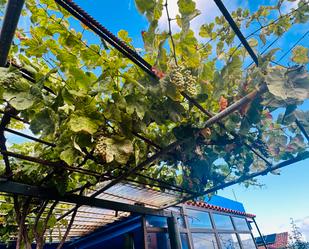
(10,21)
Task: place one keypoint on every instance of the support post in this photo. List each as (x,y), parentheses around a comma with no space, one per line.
(173,232)
(10,21)
(258,229)
(129,241)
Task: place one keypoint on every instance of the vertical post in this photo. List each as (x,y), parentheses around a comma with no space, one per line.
(173,232)
(9,24)
(258,229)
(144,229)
(129,241)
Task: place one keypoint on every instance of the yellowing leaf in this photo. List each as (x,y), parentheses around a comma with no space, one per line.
(300,55)
(82,123)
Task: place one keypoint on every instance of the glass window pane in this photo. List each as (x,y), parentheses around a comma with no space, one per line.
(156,221)
(162,241)
(228,241)
(241,224)
(204,241)
(184,241)
(180,218)
(158,241)
(198,219)
(223,222)
(247,241)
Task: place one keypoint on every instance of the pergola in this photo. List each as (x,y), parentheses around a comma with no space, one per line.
(116,197)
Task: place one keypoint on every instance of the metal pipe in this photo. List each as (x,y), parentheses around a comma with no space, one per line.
(10,21)
(52,194)
(174,233)
(262,237)
(298,158)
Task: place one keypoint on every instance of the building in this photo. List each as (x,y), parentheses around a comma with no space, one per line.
(201,226)
(273,241)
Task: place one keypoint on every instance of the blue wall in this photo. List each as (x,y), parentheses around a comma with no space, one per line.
(226,203)
(113,236)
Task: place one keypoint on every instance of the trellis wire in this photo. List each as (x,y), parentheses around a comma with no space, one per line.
(269,24)
(294,45)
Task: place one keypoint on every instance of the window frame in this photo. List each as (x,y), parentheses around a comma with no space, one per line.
(188,231)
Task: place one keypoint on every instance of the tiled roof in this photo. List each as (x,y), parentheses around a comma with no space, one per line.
(217,208)
(281,241)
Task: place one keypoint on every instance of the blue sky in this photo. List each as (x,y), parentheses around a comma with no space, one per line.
(283,196)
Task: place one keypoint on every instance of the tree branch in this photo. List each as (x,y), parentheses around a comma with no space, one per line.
(170,32)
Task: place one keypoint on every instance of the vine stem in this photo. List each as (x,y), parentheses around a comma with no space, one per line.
(170,32)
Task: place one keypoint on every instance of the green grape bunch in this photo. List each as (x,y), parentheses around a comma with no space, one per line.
(183,79)
(100,148)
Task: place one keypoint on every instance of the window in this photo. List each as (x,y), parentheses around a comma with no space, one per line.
(198,219)
(156,221)
(184,241)
(241,224)
(162,241)
(229,241)
(204,241)
(158,241)
(223,222)
(247,241)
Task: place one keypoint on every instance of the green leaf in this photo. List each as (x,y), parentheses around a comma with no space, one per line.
(186,7)
(118,149)
(206,30)
(52,221)
(300,55)
(43,121)
(19,100)
(287,86)
(68,156)
(82,123)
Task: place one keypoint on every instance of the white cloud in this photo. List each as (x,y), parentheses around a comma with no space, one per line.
(287,6)
(208,9)
(277,227)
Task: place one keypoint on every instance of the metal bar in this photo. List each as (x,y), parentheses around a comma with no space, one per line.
(29,137)
(302,129)
(235,106)
(173,232)
(51,194)
(96,27)
(298,158)
(14,117)
(262,237)
(237,31)
(9,25)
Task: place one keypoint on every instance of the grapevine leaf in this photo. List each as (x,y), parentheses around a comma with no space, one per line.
(68,156)
(118,149)
(287,86)
(19,100)
(43,122)
(82,123)
(300,55)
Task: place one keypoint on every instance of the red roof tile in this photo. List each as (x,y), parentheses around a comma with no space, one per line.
(217,208)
